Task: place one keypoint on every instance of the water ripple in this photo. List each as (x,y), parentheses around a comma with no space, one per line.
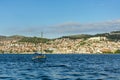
(60,67)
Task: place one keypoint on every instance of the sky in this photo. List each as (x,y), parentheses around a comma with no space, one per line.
(56,18)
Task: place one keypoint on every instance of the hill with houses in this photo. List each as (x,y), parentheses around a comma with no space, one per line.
(83,43)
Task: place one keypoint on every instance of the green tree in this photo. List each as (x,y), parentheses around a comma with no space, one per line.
(117,51)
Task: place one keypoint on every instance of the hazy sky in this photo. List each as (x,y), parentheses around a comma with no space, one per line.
(58,17)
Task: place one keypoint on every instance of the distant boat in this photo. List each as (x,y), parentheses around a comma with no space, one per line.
(39,56)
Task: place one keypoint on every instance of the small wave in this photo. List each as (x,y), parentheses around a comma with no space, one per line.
(75,74)
(80,79)
(81,60)
(104,74)
(45,78)
(114,70)
(61,65)
(5,77)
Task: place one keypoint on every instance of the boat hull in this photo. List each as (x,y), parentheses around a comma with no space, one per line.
(39,58)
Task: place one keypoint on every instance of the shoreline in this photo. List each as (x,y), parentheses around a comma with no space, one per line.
(62,53)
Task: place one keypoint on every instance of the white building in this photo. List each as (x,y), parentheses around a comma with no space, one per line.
(97,38)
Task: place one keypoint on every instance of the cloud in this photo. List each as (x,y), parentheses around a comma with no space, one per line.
(68,24)
(88,27)
(69,28)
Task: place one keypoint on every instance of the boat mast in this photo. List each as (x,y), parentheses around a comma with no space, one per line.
(41,42)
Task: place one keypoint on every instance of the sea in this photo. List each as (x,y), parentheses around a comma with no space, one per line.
(60,67)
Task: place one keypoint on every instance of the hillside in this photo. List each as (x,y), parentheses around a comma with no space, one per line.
(14,37)
(2,37)
(34,40)
(99,43)
(114,35)
(81,36)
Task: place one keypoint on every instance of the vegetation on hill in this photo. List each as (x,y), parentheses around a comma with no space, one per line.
(34,40)
(16,37)
(117,51)
(2,37)
(82,36)
(115,36)
(115,32)
(101,35)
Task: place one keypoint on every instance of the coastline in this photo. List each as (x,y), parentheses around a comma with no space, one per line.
(61,53)
(94,45)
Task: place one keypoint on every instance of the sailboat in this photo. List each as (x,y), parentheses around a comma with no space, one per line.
(39,56)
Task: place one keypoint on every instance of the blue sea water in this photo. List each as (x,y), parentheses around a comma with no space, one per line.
(60,67)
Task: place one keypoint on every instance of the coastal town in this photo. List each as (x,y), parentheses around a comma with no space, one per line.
(93,45)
